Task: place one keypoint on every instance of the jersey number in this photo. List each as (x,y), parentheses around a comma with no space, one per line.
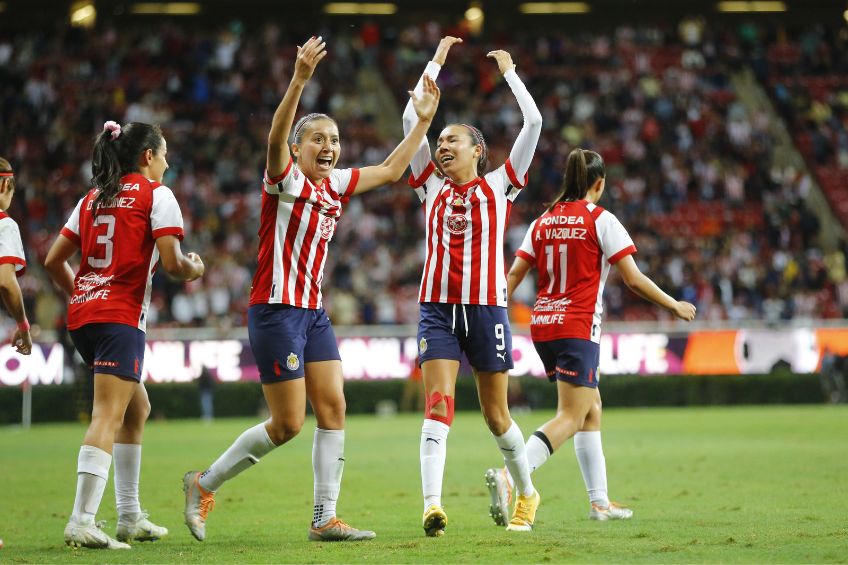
(499,334)
(563,266)
(104,240)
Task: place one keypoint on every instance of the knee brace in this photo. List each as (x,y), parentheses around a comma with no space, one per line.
(434,399)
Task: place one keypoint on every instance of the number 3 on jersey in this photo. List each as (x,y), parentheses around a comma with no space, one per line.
(105,240)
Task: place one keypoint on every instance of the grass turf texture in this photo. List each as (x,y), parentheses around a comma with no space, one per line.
(743,485)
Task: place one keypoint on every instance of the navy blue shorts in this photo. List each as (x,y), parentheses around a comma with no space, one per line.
(571,360)
(111,349)
(285,337)
(446,331)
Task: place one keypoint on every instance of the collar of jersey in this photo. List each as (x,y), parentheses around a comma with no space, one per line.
(463,187)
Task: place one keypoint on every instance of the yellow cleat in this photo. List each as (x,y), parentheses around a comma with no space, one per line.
(435,521)
(525,513)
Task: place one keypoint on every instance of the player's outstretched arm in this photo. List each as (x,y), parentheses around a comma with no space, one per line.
(186,267)
(524,147)
(516,274)
(56,264)
(647,289)
(10,292)
(308,57)
(395,164)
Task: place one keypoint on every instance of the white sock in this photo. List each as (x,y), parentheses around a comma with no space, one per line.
(245,452)
(511,445)
(590,456)
(127,458)
(92,473)
(327,468)
(538,450)
(433,451)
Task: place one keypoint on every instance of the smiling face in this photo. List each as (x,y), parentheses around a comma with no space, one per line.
(318,150)
(457,154)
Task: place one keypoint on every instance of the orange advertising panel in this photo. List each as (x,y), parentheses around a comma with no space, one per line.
(711,353)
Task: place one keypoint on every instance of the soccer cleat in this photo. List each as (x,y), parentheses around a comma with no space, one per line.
(336,530)
(198,503)
(141,529)
(612,512)
(525,513)
(435,521)
(90,535)
(498,485)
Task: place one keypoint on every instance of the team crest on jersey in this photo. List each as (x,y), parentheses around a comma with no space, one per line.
(292,362)
(327,227)
(457,223)
(422,345)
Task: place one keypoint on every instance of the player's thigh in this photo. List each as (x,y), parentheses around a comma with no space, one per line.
(436,334)
(487,339)
(286,401)
(278,335)
(325,390)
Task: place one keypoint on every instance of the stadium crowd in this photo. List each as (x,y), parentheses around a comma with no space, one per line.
(690,170)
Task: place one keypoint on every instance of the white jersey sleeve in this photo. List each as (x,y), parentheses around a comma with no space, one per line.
(524,147)
(344,181)
(71,230)
(165,215)
(11,246)
(421,160)
(290,181)
(526,250)
(614,240)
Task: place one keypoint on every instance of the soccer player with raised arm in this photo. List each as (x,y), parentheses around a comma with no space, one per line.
(463,289)
(572,247)
(122,227)
(290,333)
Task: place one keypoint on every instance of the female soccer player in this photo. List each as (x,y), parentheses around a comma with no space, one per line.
(572,246)
(463,289)
(12,262)
(290,334)
(121,226)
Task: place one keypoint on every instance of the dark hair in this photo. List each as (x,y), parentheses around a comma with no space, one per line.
(116,157)
(297,133)
(476,139)
(582,169)
(6,167)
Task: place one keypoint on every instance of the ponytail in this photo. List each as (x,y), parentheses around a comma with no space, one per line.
(116,153)
(582,169)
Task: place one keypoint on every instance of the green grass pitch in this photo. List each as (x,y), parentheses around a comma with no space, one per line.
(714,485)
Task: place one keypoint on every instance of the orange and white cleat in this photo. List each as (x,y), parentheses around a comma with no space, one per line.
(612,512)
(198,503)
(501,495)
(337,530)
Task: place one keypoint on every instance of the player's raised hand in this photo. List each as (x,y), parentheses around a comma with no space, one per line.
(308,57)
(426,106)
(685,311)
(22,341)
(444,46)
(199,267)
(503,58)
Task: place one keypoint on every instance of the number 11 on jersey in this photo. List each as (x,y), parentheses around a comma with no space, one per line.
(553,275)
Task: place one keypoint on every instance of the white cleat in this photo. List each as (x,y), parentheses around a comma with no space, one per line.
(141,529)
(612,512)
(501,494)
(90,535)
(198,503)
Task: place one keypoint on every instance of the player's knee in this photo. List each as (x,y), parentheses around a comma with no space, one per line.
(498,419)
(108,420)
(281,430)
(440,408)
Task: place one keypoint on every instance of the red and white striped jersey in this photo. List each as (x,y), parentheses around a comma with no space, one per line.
(466,224)
(298,220)
(11,246)
(465,236)
(572,248)
(119,254)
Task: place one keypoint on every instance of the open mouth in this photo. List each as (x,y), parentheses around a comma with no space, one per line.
(445,159)
(325,163)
